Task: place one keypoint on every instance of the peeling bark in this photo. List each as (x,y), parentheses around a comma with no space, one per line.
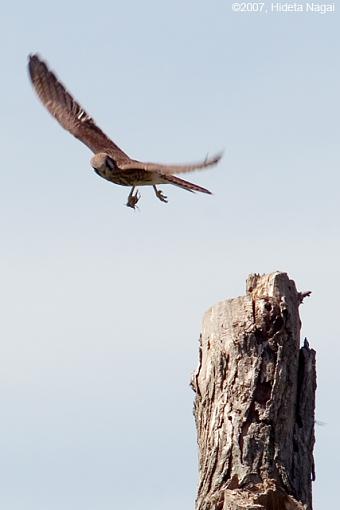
(254,406)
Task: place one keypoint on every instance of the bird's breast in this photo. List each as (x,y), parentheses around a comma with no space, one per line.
(134,177)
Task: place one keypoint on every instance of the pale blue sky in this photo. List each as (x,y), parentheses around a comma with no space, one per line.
(101,306)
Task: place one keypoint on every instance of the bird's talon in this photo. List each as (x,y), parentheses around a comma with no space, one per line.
(132,200)
(161,197)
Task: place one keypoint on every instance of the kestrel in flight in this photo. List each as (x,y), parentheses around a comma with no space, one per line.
(109,161)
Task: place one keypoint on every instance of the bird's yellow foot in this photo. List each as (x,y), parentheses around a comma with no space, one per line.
(159,194)
(133,199)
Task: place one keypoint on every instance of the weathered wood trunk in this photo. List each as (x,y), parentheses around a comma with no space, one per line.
(255,399)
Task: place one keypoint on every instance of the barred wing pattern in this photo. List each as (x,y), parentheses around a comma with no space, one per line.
(68,112)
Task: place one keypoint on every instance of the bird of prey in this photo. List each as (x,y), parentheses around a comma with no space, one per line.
(109,161)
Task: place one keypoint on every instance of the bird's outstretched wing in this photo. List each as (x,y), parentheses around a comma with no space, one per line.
(68,112)
(170,169)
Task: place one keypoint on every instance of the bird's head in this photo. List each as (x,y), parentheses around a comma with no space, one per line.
(101,162)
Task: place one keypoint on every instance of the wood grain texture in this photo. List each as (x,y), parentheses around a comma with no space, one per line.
(254,406)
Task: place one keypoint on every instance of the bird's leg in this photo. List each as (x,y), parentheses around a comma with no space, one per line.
(133,198)
(159,194)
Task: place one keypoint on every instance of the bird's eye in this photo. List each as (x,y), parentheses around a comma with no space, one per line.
(110,163)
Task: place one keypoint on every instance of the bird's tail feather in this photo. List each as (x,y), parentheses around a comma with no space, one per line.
(181,183)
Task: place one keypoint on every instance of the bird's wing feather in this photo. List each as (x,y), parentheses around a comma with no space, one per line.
(170,169)
(68,112)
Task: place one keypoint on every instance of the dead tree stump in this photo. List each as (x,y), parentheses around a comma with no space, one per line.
(255,399)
